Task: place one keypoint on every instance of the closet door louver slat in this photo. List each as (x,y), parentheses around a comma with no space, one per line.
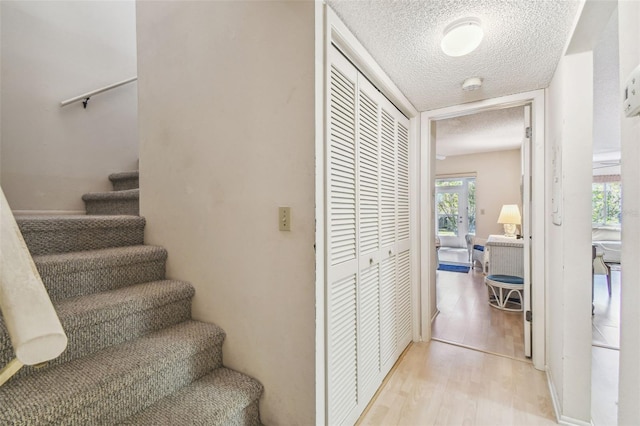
(404,299)
(388,179)
(342,356)
(369,215)
(388,329)
(369,333)
(403,183)
(342,205)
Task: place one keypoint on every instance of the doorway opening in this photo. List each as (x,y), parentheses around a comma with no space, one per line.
(528,194)
(492,168)
(607,191)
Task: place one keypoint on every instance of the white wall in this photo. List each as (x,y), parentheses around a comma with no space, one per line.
(226,118)
(498,176)
(53,51)
(629,385)
(568,278)
(606,94)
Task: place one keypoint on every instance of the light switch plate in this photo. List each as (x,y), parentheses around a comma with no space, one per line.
(631,102)
(284,218)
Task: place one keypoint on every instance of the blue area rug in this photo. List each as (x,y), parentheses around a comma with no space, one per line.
(453,268)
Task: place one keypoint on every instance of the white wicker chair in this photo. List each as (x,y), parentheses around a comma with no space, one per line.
(505,276)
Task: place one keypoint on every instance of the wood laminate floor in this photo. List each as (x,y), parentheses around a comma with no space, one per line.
(441,384)
(605,360)
(436,383)
(606,312)
(467,318)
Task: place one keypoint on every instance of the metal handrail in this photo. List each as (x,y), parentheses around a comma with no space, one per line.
(85,97)
(31,320)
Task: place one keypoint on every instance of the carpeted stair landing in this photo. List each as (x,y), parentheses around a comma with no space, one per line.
(135,356)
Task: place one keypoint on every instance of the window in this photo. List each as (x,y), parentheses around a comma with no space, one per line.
(455,207)
(606,203)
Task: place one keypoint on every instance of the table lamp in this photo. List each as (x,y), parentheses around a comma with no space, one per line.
(510,217)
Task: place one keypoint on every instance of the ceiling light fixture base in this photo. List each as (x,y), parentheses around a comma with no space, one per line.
(472,83)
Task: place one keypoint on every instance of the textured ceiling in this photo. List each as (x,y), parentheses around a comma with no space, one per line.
(496,130)
(523,42)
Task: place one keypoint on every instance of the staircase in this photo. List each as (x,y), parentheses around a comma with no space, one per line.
(135,356)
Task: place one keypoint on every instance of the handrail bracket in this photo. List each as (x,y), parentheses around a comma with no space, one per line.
(9,370)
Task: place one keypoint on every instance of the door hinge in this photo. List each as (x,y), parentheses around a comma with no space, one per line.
(528,316)
(527,132)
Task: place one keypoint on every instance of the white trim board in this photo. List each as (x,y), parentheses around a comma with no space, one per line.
(427,171)
(319,69)
(563,420)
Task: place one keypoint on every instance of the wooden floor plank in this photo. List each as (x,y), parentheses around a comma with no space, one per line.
(450,385)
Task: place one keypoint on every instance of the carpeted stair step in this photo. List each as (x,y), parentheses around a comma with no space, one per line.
(117,382)
(74,274)
(63,234)
(125,202)
(124,180)
(223,397)
(96,321)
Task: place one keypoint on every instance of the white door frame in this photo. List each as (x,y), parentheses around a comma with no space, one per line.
(427,218)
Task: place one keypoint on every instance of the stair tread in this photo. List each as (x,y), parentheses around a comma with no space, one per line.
(83,381)
(35,223)
(83,316)
(99,307)
(125,194)
(124,175)
(100,258)
(212,400)
(47,234)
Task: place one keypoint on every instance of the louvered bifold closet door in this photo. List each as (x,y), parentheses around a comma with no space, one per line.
(342,269)
(403,277)
(369,233)
(367,225)
(388,291)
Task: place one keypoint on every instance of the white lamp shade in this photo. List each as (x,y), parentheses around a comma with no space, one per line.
(510,214)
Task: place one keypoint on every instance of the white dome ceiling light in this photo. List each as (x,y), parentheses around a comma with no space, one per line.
(462,37)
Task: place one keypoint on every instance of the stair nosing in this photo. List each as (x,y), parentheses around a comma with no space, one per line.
(207,337)
(112,256)
(124,176)
(122,195)
(251,386)
(74,314)
(28,223)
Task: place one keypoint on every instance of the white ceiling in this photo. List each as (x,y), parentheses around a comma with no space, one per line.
(496,130)
(523,42)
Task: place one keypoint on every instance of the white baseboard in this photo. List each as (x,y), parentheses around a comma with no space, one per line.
(48,212)
(554,395)
(560,418)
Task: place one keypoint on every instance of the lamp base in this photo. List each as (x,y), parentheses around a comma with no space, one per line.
(510,230)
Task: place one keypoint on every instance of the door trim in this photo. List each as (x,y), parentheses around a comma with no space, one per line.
(427,197)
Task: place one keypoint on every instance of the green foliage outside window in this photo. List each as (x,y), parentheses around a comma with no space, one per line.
(447,214)
(606,203)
